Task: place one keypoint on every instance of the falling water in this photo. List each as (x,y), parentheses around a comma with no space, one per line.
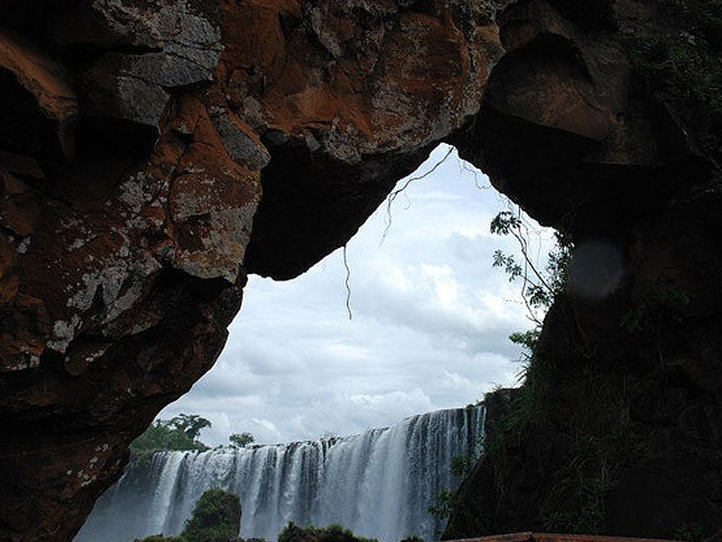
(378,484)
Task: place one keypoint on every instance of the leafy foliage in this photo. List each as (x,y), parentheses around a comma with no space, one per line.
(332,533)
(539,286)
(216,518)
(443,504)
(505,223)
(584,480)
(190,424)
(528,340)
(461,465)
(539,289)
(241,440)
(178,433)
(676,59)
(588,514)
(664,303)
(160,538)
(690,532)
(685,54)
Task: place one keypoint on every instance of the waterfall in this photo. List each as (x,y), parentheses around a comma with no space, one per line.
(379,484)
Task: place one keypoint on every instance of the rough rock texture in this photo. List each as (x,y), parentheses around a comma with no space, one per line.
(121,264)
(618,429)
(348,98)
(132,147)
(137,139)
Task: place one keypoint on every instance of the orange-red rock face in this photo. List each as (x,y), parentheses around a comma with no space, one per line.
(341,91)
(153,153)
(132,146)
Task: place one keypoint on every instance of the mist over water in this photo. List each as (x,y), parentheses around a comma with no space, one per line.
(378,484)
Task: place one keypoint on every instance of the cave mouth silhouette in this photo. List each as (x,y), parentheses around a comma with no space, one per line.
(419,320)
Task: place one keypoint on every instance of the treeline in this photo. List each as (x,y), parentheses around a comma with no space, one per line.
(181,433)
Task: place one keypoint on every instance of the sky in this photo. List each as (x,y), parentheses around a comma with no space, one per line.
(429,328)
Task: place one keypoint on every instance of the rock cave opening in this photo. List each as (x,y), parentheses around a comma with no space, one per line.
(411,320)
(121,265)
(422,289)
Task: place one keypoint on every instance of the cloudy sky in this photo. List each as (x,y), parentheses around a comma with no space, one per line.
(429,328)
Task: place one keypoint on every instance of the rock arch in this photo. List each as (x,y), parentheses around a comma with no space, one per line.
(151,154)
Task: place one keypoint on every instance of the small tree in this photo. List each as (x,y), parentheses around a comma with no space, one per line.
(178,433)
(217,516)
(241,440)
(539,286)
(190,424)
(332,533)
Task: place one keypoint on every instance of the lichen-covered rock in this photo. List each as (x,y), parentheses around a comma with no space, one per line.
(114,87)
(151,48)
(340,91)
(213,200)
(185,33)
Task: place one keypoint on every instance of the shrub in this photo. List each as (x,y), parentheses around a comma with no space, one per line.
(217,516)
(159,538)
(332,533)
(178,433)
(241,440)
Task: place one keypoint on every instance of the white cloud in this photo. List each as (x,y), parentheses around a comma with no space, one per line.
(430,324)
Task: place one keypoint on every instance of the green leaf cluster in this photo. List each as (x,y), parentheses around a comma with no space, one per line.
(683,61)
(443,504)
(505,223)
(216,518)
(664,303)
(241,440)
(332,533)
(461,465)
(676,59)
(691,532)
(179,433)
(539,286)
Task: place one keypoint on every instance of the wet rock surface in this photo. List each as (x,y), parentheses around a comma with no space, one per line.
(154,153)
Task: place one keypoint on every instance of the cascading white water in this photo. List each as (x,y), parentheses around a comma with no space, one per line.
(378,484)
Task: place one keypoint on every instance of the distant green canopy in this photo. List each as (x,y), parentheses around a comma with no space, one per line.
(241,439)
(179,433)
